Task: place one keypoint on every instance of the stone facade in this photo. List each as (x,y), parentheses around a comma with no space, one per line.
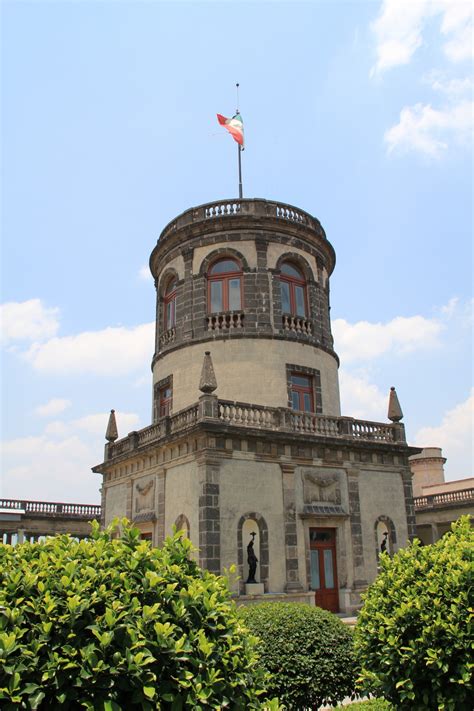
(438,503)
(235,448)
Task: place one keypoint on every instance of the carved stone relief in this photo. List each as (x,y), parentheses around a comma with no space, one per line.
(320,488)
(144,495)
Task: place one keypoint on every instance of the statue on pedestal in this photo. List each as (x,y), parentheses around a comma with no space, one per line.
(252,560)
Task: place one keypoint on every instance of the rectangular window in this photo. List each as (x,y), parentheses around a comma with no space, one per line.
(299,298)
(165,399)
(234,295)
(328,569)
(302,393)
(216,297)
(315,581)
(285,297)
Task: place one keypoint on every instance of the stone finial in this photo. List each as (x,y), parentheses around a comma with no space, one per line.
(394,410)
(208,382)
(112,432)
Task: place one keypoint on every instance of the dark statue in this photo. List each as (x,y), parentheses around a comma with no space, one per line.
(252,560)
(383,545)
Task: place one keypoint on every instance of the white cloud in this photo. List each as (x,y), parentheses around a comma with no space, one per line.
(452,88)
(398,33)
(94,424)
(398,30)
(427,130)
(455,435)
(145,273)
(27,321)
(367,341)
(362,399)
(53,407)
(112,351)
(56,465)
(457,22)
(41,468)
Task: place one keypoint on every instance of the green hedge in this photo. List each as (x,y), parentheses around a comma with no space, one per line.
(414,634)
(115,624)
(307,653)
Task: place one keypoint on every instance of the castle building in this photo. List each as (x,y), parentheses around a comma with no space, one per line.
(247,434)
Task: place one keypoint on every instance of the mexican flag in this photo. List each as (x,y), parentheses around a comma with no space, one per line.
(235,126)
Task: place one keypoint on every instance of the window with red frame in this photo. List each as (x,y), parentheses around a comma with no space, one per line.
(165,398)
(302,396)
(293,290)
(170,304)
(224,281)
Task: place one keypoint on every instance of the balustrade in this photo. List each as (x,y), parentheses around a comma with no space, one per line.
(225,321)
(272,418)
(297,324)
(236,413)
(221,208)
(51,508)
(447,498)
(184,419)
(250,207)
(167,337)
(362,429)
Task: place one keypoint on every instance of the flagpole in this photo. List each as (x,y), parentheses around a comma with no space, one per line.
(239,150)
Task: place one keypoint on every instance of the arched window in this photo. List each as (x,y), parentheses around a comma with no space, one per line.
(293,290)
(224,286)
(170,304)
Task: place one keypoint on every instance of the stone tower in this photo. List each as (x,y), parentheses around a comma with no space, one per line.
(247,435)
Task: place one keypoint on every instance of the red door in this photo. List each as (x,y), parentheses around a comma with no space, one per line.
(323,567)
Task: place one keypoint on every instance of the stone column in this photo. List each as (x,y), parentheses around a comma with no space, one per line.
(160,507)
(293,583)
(209,516)
(360,580)
(128,499)
(186,308)
(434,533)
(409,505)
(21,535)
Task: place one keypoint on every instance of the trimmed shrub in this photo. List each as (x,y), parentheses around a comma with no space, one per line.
(414,633)
(114,624)
(307,653)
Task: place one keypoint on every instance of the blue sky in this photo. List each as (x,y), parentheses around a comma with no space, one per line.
(358,112)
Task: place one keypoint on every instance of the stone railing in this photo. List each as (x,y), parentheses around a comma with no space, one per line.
(448,498)
(247,415)
(257,208)
(298,324)
(243,414)
(168,337)
(51,508)
(225,321)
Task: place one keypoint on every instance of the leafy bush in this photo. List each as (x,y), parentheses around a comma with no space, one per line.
(306,652)
(414,633)
(114,624)
(371,705)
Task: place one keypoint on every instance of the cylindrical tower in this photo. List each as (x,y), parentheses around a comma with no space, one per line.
(249,281)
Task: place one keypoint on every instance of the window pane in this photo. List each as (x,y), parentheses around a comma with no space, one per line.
(285,297)
(328,569)
(295,401)
(170,314)
(234,294)
(315,582)
(224,266)
(290,270)
(307,402)
(171,287)
(301,380)
(299,299)
(216,296)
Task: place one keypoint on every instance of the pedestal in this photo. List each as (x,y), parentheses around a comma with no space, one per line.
(254,589)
